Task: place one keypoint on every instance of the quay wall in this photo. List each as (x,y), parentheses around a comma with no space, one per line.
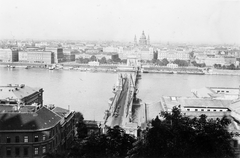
(114,66)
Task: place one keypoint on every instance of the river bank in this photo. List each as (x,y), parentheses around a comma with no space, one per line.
(115,68)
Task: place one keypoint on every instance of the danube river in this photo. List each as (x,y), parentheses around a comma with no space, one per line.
(89,92)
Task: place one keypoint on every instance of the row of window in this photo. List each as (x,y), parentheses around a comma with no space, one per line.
(220,110)
(17,151)
(222,91)
(25,139)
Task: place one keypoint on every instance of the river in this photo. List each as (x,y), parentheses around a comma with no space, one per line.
(89,92)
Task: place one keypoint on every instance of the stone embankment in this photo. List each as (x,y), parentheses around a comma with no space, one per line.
(223,72)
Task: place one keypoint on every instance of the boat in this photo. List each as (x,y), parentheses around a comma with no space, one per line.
(196,73)
(157,71)
(51,68)
(191,72)
(145,71)
(165,72)
(10,66)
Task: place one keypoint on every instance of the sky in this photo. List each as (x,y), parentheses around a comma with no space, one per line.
(188,21)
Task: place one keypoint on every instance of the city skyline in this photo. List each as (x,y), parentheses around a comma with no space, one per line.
(213,22)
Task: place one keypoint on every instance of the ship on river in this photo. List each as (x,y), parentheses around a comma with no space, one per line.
(191,72)
(157,71)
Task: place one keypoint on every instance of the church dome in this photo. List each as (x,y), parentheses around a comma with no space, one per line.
(143,36)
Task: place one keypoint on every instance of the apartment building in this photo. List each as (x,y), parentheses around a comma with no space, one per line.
(33,131)
(8,55)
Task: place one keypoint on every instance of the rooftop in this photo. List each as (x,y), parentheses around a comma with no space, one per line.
(43,118)
(217,92)
(14,108)
(60,111)
(16,91)
(172,101)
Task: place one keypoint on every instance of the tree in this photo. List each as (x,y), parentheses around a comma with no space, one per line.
(158,62)
(191,54)
(194,63)
(93,58)
(81,126)
(231,67)
(180,62)
(103,60)
(118,142)
(148,61)
(109,61)
(217,66)
(115,143)
(165,61)
(85,60)
(116,60)
(124,61)
(154,61)
(176,135)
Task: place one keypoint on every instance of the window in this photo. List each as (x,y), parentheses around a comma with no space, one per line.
(188,109)
(36,151)
(36,139)
(196,109)
(17,139)
(8,140)
(44,137)
(17,151)
(173,98)
(44,149)
(8,151)
(50,146)
(214,110)
(202,109)
(25,139)
(25,151)
(208,110)
(235,143)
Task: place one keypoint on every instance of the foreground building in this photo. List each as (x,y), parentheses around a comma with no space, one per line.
(33,131)
(29,129)
(214,102)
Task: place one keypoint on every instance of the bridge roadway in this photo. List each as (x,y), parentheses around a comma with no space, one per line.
(117,116)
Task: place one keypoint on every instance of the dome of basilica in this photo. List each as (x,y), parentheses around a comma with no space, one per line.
(143,36)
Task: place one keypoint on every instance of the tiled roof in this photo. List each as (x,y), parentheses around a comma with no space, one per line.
(41,119)
(16,92)
(195,102)
(60,111)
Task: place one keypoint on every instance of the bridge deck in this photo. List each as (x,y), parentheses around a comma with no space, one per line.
(120,105)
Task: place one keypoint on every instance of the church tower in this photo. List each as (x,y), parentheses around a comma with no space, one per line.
(148,41)
(135,41)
